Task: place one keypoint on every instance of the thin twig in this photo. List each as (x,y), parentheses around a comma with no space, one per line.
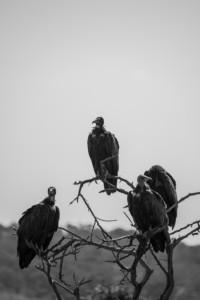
(158,261)
(182,199)
(177,241)
(185,227)
(105,234)
(81,183)
(113,187)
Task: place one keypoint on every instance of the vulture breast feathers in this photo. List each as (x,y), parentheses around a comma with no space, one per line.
(163,183)
(148,211)
(103,144)
(36,228)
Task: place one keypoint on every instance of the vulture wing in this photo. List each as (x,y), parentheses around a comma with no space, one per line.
(112,149)
(148,211)
(168,192)
(165,185)
(55,221)
(91,152)
(36,226)
(155,208)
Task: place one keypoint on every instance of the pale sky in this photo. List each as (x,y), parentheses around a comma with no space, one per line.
(62,64)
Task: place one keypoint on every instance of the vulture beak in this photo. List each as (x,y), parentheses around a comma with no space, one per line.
(95,121)
(52,191)
(142,179)
(147,178)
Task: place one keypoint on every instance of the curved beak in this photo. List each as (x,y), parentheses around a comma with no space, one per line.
(95,121)
(147,178)
(52,192)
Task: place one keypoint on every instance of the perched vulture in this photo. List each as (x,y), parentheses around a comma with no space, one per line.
(36,228)
(164,184)
(148,211)
(103,144)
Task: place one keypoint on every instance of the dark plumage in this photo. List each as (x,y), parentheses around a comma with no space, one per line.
(36,228)
(148,211)
(164,184)
(103,144)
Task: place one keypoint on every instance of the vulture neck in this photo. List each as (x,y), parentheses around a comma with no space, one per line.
(50,200)
(143,187)
(98,129)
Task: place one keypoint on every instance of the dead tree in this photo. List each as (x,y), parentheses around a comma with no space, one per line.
(71,244)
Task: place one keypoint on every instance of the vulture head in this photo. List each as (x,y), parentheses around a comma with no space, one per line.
(51,191)
(142,180)
(99,121)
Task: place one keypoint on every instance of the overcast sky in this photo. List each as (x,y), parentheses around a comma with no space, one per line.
(62,64)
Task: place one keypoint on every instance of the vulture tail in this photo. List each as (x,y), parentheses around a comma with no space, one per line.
(172,217)
(108,188)
(25,254)
(158,242)
(26,259)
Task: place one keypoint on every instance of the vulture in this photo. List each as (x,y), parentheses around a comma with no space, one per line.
(103,144)
(36,228)
(163,183)
(149,212)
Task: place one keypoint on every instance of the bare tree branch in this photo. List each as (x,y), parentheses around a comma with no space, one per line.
(182,199)
(121,247)
(82,183)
